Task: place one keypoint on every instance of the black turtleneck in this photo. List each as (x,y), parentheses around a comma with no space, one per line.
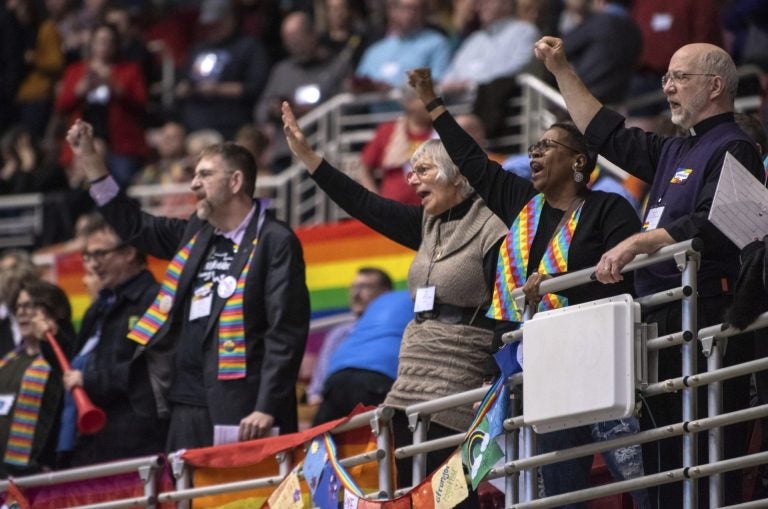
(396,221)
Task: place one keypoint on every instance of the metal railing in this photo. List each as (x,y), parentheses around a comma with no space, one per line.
(520,464)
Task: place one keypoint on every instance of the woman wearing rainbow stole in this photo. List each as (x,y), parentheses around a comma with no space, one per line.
(30,381)
(556,225)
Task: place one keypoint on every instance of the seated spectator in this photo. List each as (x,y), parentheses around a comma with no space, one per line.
(364,366)
(171,164)
(368,284)
(112,96)
(666,25)
(106,365)
(345,30)
(474,127)
(31,372)
(257,143)
(44,62)
(16,267)
(132,46)
(604,49)
(408,43)
(500,48)
(755,129)
(385,160)
(224,74)
(23,168)
(310,75)
(64,14)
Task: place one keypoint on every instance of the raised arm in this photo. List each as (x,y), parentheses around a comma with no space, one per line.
(80,139)
(581,104)
(296,141)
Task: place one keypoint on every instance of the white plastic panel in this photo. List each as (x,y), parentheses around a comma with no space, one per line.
(579,364)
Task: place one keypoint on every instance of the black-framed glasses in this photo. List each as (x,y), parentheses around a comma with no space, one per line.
(542,146)
(681,78)
(99,254)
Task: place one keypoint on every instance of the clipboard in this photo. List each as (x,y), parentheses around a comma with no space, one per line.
(740,205)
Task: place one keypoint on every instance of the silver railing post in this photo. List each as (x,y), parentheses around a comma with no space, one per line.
(381,425)
(713,350)
(511,452)
(419,424)
(689,264)
(183,475)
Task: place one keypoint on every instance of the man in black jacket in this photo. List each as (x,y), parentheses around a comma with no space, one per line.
(107,370)
(226,333)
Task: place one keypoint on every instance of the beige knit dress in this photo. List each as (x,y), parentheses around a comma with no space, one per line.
(439,359)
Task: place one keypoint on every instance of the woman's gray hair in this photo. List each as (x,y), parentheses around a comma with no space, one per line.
(446,170)
(717,61)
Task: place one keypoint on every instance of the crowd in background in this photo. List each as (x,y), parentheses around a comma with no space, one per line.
(236,60)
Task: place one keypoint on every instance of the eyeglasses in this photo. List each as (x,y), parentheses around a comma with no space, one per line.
(99,254)
(206,174)
(420,171)
(680,78)
(28,306)
(547,143)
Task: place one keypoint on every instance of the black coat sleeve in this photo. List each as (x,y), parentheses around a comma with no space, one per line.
(504,192)
(157,236)
(286,307)
(394,220)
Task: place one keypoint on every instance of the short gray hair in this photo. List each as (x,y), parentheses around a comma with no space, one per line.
(717,61)
(446,170)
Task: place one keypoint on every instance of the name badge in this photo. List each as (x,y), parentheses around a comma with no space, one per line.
(425,299)
(652,218)
(201,303)
(6,403)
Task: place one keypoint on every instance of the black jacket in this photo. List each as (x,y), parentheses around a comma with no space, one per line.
(276,311)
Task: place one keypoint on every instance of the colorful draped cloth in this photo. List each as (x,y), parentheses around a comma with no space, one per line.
(511,271)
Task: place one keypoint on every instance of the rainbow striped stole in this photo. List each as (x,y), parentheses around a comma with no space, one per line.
(515,250)
(232,329)
(231,340)
(157,313)
(26,410)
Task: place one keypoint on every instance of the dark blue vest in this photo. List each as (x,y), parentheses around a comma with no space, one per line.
(680,176)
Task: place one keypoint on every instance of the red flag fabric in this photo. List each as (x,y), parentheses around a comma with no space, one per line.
(243,454)
(14,497)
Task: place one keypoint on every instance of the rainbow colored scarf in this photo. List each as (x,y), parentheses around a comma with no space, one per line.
(26,410)
(231,340)
(511,271)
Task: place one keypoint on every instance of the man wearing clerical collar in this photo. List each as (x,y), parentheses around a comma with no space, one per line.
(700,86)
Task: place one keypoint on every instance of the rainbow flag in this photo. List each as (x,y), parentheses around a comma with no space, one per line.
(332,253)
(256,458)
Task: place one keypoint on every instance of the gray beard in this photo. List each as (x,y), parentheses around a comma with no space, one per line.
(203,210)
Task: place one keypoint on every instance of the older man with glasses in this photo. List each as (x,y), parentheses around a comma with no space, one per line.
(700,86)
(105,364)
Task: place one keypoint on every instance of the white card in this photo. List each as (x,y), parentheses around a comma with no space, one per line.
(425,299)
(229,433)
(6,403)
(200,307)
(652,218)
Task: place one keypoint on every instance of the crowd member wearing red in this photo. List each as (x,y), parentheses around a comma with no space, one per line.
(112,96)
(385,160)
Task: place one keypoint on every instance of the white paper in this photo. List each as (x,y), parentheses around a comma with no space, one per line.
(228,434)
(425,299)
(740,207)
(200,307)
(6,403)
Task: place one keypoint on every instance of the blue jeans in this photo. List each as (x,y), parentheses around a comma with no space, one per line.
(626,462)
